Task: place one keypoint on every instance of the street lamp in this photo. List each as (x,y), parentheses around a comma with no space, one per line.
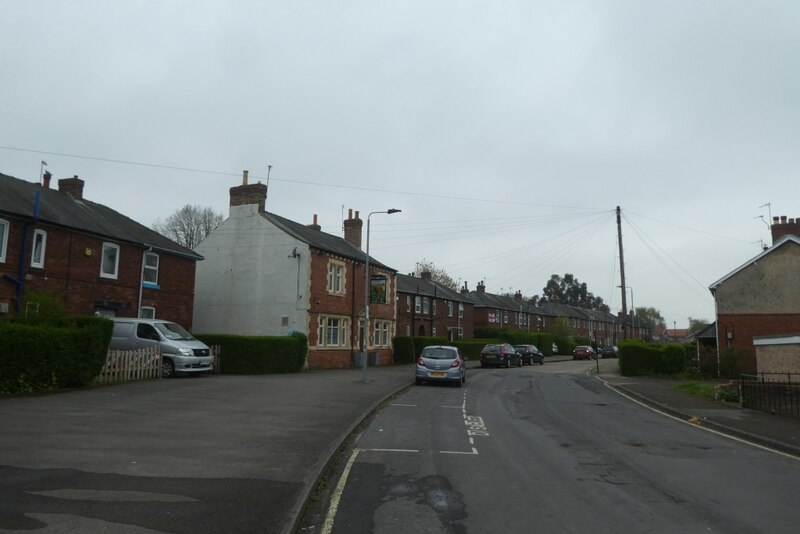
(365,335)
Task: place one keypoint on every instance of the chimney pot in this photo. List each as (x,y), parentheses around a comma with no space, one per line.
(245,174)
(349,213)
(46,179)
(352,230)
(314,225)
(783,219)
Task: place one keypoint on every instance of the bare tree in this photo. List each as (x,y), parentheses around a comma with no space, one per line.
(438,274)
(189,225)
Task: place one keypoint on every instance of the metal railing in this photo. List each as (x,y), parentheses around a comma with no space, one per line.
(775,393)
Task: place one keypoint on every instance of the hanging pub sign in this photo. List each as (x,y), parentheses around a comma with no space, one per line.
(377,289)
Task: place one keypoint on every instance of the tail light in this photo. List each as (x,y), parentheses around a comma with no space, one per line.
(456,363)
(421,362)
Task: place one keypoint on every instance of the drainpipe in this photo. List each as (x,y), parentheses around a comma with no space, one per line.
(20,281)
(141,280)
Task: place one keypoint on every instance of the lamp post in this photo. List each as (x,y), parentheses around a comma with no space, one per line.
(365,335)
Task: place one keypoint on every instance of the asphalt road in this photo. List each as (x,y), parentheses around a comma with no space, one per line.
(550,449)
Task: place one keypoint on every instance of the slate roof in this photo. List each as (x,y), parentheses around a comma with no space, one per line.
(482,299)
(428,288)
(62,210)
(321,240)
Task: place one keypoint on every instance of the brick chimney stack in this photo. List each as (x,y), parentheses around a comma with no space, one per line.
(352,229)
(518,296)
(426,275)
(247,194)
(481,287)
(782,226)
(314,225)
(465,289)
(71,186)
(46,179)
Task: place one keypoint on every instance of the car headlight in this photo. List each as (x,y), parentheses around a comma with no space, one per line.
(185,352)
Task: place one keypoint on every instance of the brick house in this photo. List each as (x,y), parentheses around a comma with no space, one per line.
(504,311)
(427,308)
(761,297)
(264,274)
(89,257)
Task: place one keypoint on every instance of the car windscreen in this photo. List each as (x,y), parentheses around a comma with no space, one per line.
(438,354)
(491,349)
(173,331)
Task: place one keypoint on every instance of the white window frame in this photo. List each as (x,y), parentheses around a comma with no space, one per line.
(150,269)
(383,333)
(433,307)
(460,310)
(38,236)
(115,274)
(408,303)
(147,312)
(5,229)
(426,306)
(330,327)
(449,308)
(336,277)
(417,304)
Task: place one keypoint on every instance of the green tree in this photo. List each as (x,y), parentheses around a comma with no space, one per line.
(438,274)
(189,225)
(561,329)
(695,325)
(652,316)
(568,290)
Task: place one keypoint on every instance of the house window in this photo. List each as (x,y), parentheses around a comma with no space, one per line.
(109,263)
(150,274)
(336,277)
(434,307)
(333,331)
(491,317)
(460,310)
(147,312)
(449,309)
(382,331)
(4,226)
(505,317)
(498,317)
(39,244)
(417,304)
(408,303)
(426,305)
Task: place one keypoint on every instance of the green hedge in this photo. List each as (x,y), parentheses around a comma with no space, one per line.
(254,355)
(38,357)
(403,349)
(471,348)
(637,358)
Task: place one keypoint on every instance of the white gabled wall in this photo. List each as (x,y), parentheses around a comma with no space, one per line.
(248,282)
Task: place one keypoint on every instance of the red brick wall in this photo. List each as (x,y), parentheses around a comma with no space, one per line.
(71,273)
(350,305)
(743,328)
(440,320)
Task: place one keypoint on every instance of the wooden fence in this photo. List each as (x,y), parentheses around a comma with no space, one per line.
(127,365)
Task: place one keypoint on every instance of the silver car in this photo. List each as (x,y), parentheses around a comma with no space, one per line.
(441,363)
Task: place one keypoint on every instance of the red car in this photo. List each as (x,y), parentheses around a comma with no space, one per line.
(583,352)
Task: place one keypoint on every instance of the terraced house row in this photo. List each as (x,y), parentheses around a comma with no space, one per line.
(258,273)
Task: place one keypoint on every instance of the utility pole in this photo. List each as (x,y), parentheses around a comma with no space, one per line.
(622,277)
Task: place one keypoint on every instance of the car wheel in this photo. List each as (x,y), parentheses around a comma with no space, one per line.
(483,366)
(458,383)
(506,365)
(167,368)
(464,378)
(520,362)
(417,381)
(541,362)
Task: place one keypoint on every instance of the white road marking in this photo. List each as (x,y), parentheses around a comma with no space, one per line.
(406,405)
(474,452)
(451,407)
(337,494)
(717,432)
(390,450)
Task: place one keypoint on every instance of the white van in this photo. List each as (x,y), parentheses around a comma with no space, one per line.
(180,352)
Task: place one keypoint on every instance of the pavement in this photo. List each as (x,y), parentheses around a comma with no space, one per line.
(299,422)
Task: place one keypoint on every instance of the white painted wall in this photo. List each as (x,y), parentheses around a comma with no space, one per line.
(247,282)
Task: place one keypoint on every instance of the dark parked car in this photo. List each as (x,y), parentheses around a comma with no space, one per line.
(530,354)
(608,352)
(441,363)
(502,355)
(583,352)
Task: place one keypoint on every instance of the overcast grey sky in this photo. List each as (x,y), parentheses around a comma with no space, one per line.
(507,132)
